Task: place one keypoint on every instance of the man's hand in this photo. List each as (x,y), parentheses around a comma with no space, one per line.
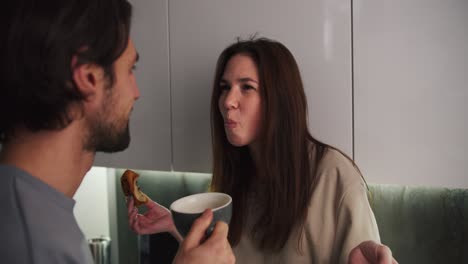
(370,252)
(216,249)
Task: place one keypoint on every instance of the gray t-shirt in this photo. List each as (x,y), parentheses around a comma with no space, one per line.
(37,225)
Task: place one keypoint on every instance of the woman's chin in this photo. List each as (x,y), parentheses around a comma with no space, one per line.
(236,142)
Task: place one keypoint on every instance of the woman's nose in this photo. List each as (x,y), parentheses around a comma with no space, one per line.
(137,92)
(231,101)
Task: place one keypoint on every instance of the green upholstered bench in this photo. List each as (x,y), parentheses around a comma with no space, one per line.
(420,225)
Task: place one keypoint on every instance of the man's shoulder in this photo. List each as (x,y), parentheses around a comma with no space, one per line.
(8,176)
(35,226)
(12,226)
(8,197)
(7,173)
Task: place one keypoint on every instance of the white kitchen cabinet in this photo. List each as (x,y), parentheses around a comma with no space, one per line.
(150,125)
(411,93)
(318,33)
(179,42)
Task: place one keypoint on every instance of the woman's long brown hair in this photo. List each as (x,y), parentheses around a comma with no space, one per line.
(283,178)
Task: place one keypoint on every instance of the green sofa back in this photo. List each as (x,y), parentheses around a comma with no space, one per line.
(420,225)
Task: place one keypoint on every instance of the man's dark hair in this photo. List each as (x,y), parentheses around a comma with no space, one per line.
(37,45)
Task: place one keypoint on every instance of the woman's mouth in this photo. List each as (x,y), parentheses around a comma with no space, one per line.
(230,124)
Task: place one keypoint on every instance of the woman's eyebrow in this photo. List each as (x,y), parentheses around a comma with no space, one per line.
(247,79)
(243,80)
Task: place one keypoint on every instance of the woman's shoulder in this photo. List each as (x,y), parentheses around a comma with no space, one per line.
(333,157)
(335,167)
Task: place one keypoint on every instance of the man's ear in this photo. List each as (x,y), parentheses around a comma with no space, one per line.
(89,78)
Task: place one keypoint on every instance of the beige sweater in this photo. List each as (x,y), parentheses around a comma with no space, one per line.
(339,218)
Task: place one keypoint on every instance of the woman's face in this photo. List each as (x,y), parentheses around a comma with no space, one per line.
(240,102)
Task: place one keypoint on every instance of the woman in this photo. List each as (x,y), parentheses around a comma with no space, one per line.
(296,199)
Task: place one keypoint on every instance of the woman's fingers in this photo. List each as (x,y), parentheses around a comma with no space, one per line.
(130,204)
(197,231)
(132,216)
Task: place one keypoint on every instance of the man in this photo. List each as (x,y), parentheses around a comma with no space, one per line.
(67,91)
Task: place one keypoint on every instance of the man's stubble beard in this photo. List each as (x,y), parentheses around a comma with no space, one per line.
(105,137)
(107,134)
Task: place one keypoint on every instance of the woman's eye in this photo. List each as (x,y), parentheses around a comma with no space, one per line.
(224,87)
(248,87)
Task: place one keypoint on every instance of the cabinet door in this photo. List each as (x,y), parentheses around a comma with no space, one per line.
(150,124)
(316,32)
(411,61)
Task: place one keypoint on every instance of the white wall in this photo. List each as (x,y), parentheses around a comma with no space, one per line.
(95,208)
(411,91)
(92,204)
